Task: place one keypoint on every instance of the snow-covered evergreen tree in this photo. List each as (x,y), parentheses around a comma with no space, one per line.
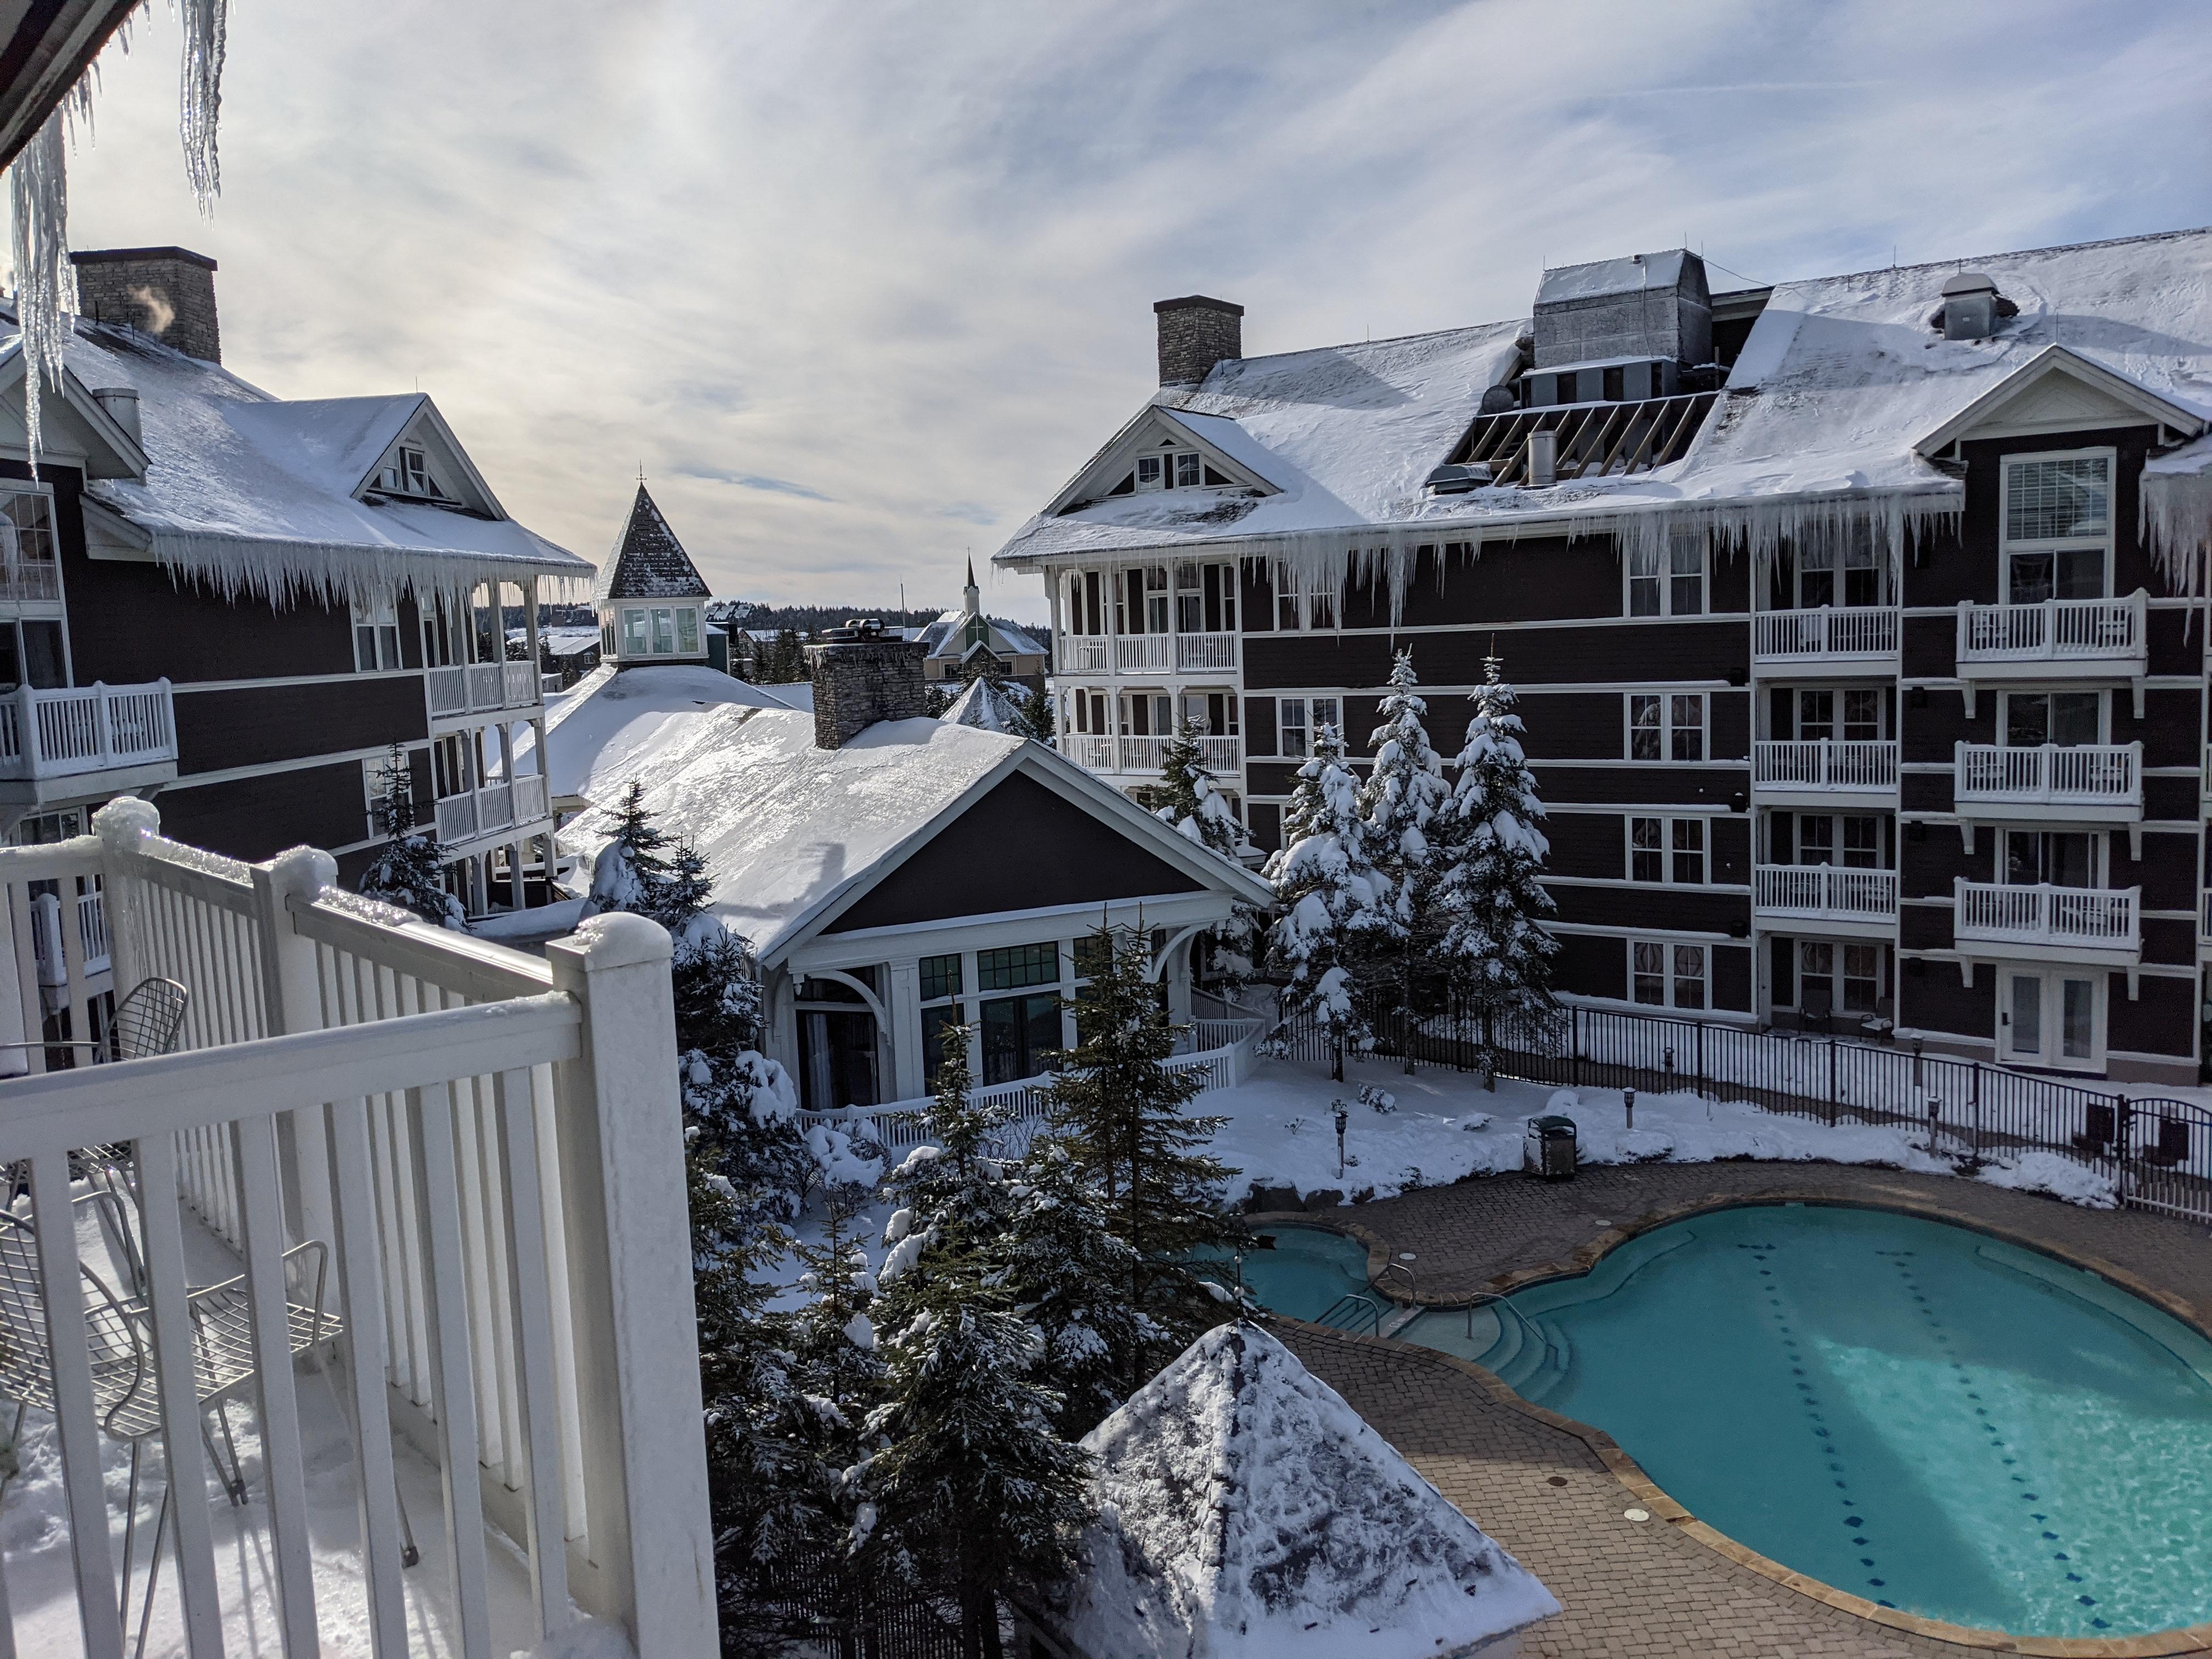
(1119,1111)
(1070,1276)
(1328,897)
(952,1196)
(407,872)
(1188,798)
(1495,945)
(975,1496)
(1404,796)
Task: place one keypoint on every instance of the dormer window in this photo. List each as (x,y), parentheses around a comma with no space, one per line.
(1170,468)
(658,631)
(409,474)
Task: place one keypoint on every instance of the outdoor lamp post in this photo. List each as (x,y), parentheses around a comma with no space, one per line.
(1341,1115)
(1628,1100)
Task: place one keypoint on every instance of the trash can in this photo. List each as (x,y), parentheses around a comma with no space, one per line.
(1548,1148)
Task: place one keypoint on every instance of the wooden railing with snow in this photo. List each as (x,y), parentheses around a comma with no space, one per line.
(490,1144)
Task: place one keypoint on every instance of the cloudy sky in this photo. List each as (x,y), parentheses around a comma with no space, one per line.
(859,285)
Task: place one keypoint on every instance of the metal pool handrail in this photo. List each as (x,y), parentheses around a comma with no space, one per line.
(1353,1305)
(1528,1328)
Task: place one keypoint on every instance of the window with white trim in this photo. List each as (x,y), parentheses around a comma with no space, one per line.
(1666,852)
(1664,975)
(2057,523)
(1297,719)
(409,474)
(1670,581)
(375,638)
(1666,726)
(26,532)
(1299,607)
(636,632)
(942,1009)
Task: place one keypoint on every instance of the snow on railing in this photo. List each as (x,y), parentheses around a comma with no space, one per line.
(484,1141)
(2095,774)
(91,728)
(2099,918)
(2055,629)
(1825,763)
(1828,632)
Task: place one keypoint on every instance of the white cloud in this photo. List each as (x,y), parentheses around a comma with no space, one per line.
(860,285)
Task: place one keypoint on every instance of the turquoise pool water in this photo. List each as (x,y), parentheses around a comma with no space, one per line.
(1916,1413)
(1304,1273)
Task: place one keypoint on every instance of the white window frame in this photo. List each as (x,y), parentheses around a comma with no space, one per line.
(1310,721)
(687,631)
(1659,583)
(2051,1015)
(1668,727)
(1838,725)
(1309,609)
(2004,709)
(380,621)
(1672,829)
(1671,979)
(2007,465)
(636,631)
(31,538)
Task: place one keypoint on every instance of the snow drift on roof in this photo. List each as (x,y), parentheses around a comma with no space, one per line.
(986,707)
(783,826)
(1631,274)
(600,725)
(249,493)
(648,562)
(1840,377)
(1246,1509)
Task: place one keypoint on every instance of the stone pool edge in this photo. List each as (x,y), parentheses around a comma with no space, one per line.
(2159,1644)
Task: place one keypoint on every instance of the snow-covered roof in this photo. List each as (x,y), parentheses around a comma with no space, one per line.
(942,637)
(1634,273)
(1245,1511)
(601,726)
(1839,380)
(558,641)
(648,562)
(985,705)
(790,832)
(251,494)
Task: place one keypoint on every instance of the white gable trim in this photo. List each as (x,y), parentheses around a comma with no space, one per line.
(1152,428)
(2059,390)
(425,422)
(1072,783)
(112,453)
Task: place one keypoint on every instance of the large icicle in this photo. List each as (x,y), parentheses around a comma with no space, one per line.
(199,98)
(45,281)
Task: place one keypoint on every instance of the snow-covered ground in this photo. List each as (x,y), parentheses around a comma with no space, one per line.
(1442,1126)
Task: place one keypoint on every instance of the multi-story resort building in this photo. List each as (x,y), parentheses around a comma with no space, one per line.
(1859,621)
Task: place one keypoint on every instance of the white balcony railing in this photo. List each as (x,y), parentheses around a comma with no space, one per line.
(529,798)
(1089,749)
(1204,651)
(1865,766)
(2087,631)
(2100,774)
(497,806)
(1824,892)
(91,956)
(1221,755)
(74,730)
(1105,754)
(1085,653)
(485,1146)
(1142,754)
(481,687)
(2094,917)
(1855,633)
(1144,654)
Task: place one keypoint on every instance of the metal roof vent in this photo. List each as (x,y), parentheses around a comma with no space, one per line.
(1971,308)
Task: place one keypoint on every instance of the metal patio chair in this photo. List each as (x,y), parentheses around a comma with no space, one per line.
(147,1023)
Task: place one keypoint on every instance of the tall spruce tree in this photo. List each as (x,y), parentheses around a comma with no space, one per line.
(1405,795)
(407,872)
(1188,798)
(953,1195)
(1070,1276)
(1329,899)
(1119,1110)
(1495,946)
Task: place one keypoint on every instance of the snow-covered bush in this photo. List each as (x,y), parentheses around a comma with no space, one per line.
(407,871)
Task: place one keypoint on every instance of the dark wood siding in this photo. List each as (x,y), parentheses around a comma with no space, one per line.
(2159,1021)
(1591,965)
(1632,655)
(255,726)
(1021,847)
(1662,910)
(1935,1000)
(258,818)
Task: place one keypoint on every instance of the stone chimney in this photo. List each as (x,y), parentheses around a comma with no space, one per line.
(863,675)
(165,292)
(1196,333)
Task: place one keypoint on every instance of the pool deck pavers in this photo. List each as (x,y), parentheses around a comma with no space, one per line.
(1545,1492)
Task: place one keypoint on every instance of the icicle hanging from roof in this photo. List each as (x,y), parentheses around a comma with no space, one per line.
(199,98)
(45,281)
(2174,514)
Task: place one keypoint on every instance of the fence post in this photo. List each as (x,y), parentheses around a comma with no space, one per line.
(1831,1083)
(1575,1072)
(1701,1058)
(292,1001)
(621,1135)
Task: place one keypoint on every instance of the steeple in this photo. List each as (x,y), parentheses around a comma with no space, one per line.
(649,595)
(971,595)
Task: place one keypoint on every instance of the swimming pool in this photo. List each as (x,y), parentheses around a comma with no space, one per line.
(1304,1273)
(1917,1413)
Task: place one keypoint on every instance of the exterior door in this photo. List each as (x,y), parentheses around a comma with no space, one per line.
(2051,1016)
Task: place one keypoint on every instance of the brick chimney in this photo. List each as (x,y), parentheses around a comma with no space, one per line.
(863,675)
(1196,333)
(165,292)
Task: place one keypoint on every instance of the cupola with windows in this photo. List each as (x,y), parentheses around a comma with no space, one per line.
(650,597)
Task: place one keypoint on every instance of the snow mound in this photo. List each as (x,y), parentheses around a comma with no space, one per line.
(2056,1173)
(989,706)
(1246,1509)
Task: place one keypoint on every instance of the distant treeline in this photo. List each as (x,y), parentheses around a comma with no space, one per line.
(805,620)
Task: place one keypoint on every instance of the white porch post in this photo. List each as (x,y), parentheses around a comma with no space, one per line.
(514,893)
(530,632)
(292,1001)
(649,1543)
(905,1007)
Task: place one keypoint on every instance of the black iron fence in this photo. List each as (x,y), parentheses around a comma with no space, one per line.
(2157,1151)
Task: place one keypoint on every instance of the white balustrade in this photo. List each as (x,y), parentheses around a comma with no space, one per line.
(1864,765)
(1143,754)
(521,686)
(456,817)
(1142,653)
(497,806)
(1826,634)
(1221,755)
(2049,774)
(70,731)
(494,808)
(1824,892)
(2092,917)
(487,686)
(1085,653)
(485,1143)
(529,798)
(2054,630)
(1088,748)
(1206,651)
(448,691)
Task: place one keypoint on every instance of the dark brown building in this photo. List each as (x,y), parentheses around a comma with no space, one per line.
(1851,619)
